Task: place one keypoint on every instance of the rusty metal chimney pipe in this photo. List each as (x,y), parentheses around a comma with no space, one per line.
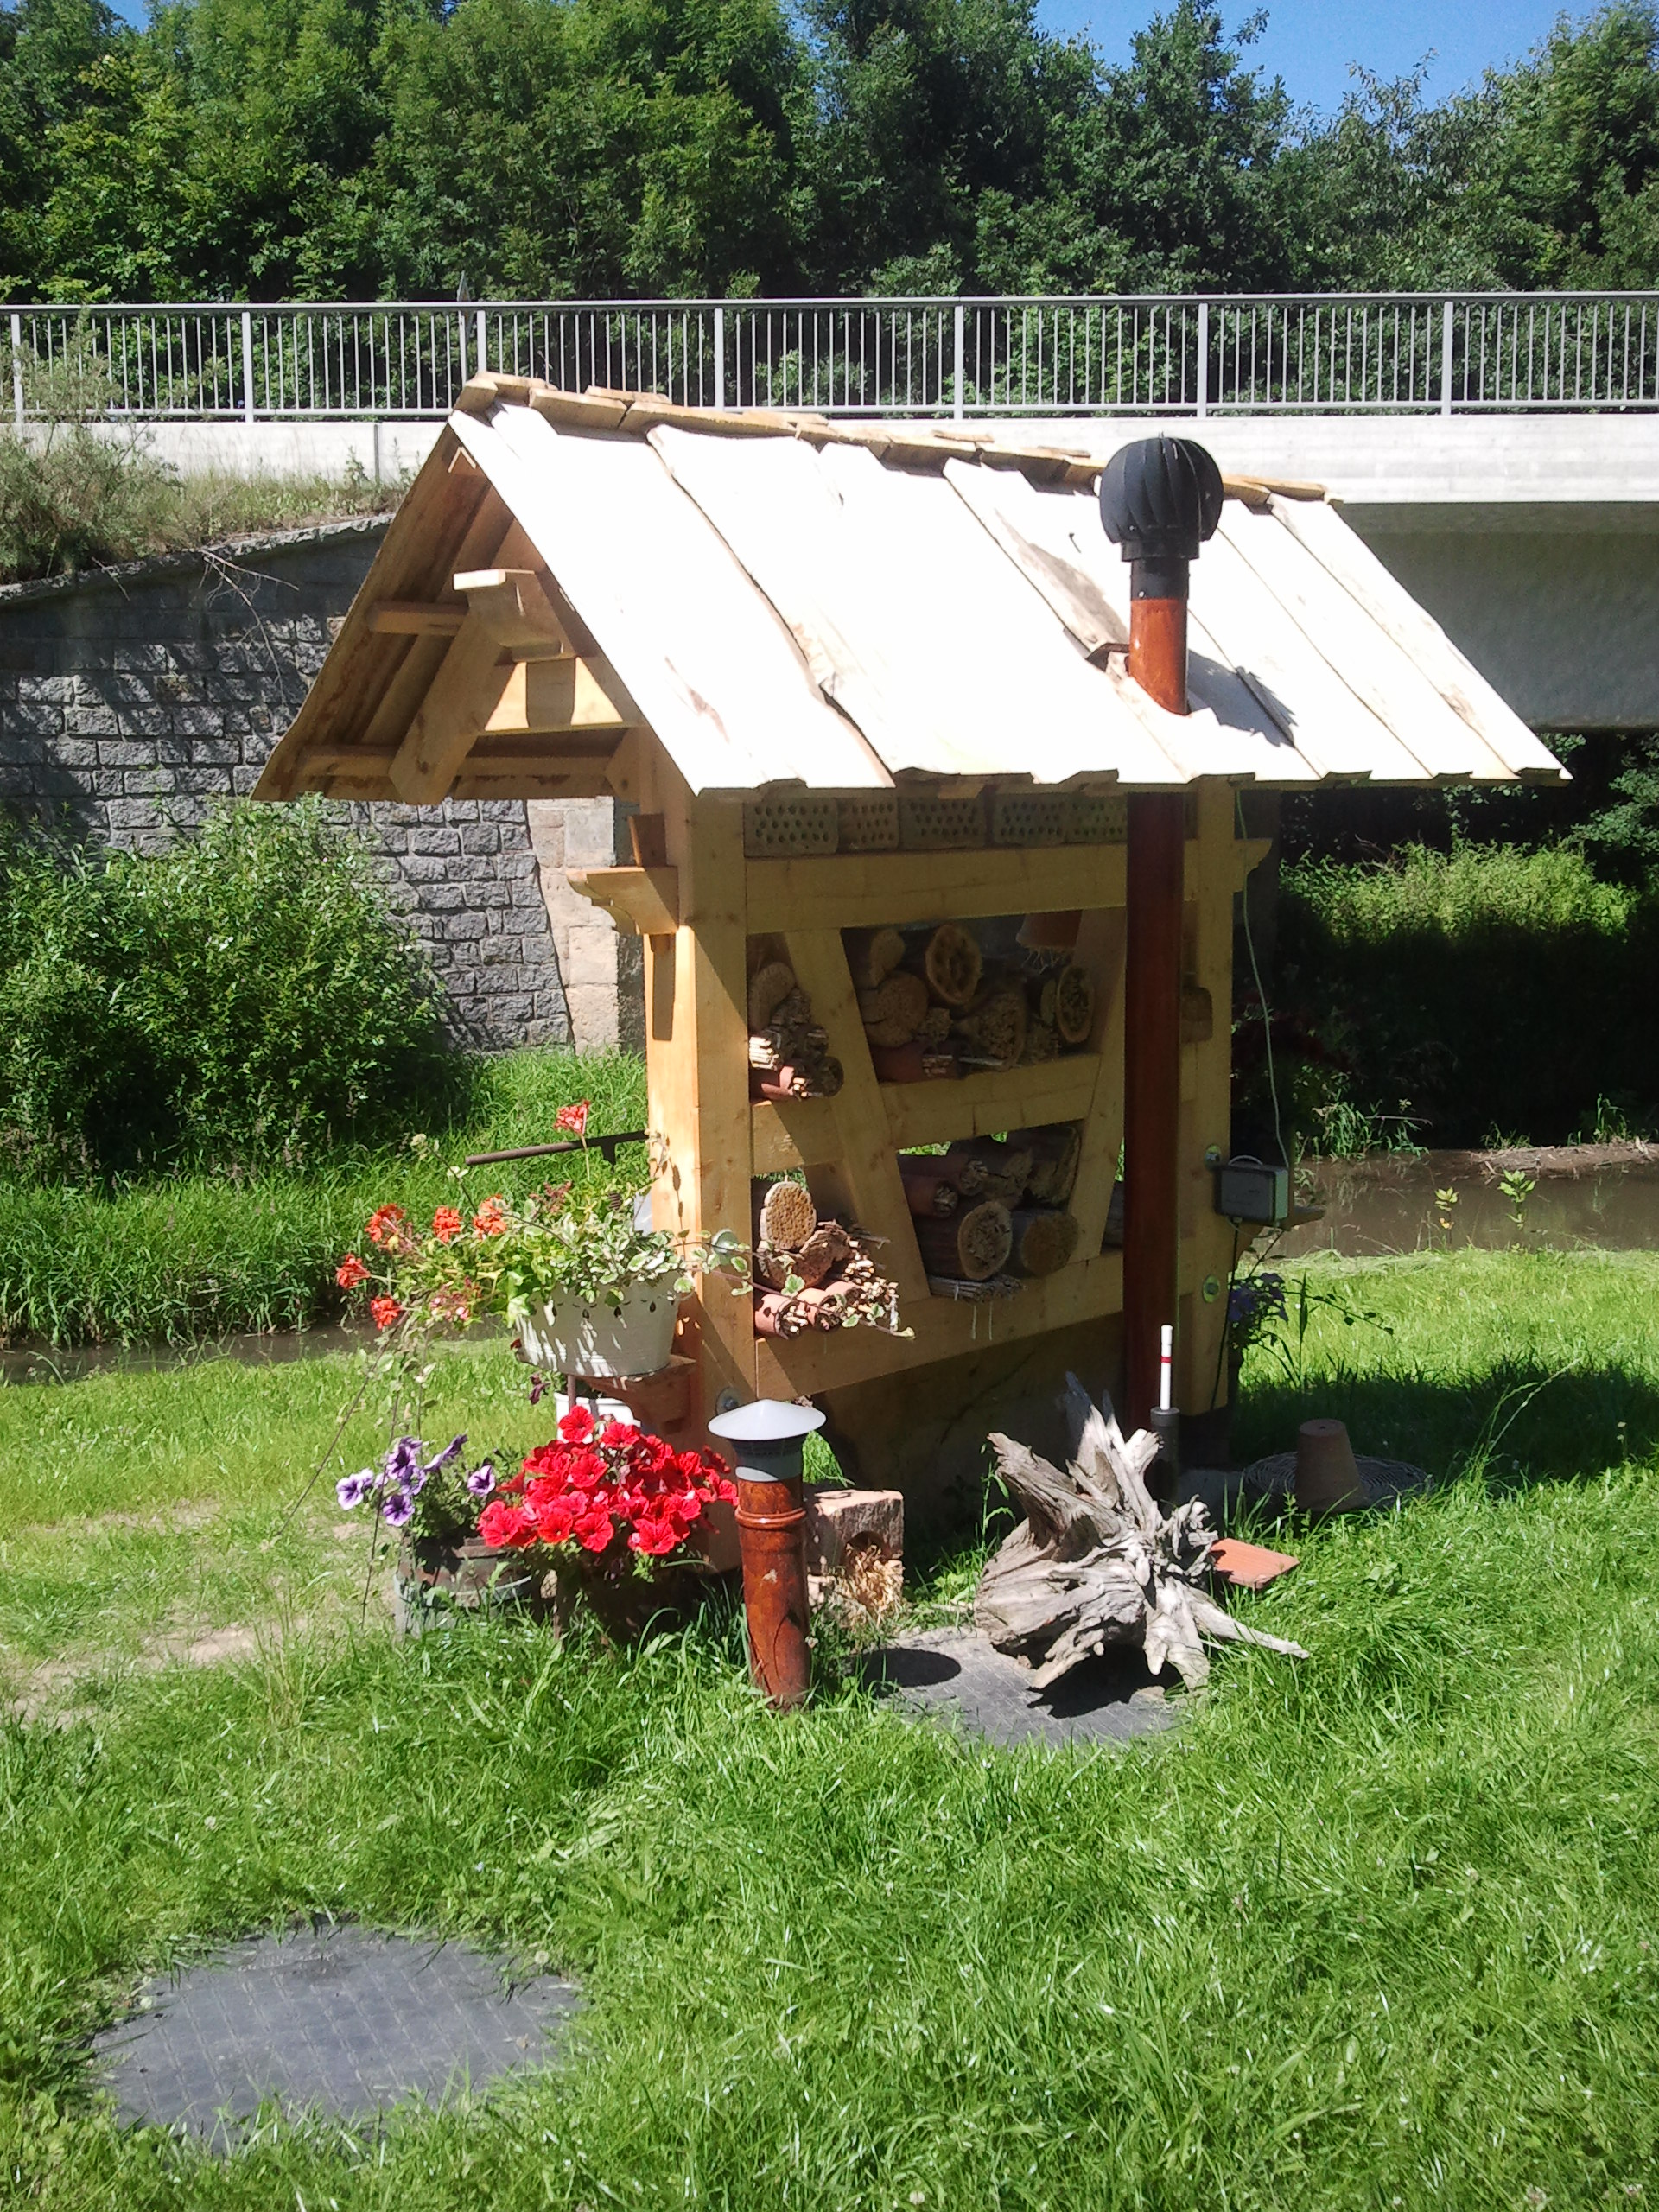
(1159,500)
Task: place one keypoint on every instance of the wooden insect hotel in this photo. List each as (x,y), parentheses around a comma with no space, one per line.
(936,851)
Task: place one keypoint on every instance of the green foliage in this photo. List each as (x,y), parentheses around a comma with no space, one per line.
(1357,1926)
(1492,985)
(247,995)
(325,149)
(192,1257)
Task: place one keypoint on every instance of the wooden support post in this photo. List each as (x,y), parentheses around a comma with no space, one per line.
(1151,1040)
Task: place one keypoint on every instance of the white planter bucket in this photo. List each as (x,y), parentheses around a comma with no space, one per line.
(570,1337)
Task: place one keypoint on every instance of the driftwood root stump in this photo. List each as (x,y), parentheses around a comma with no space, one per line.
(1097,1563)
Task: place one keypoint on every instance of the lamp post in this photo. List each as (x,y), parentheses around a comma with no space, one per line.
(768,1436)
(1159,499)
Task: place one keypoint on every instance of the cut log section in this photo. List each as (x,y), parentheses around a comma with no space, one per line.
(873,955)
(1095,1563)
(1042,1043)
(913,1063)
(1055,1152)
(785,1216)
(893,1011)
(973,1243)
(810,1263)
(1044,1239)
(928,1190)
(952,963)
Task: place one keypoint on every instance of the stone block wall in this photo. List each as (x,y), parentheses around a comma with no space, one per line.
(132,699)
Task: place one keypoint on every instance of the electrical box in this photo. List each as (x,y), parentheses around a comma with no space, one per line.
(1247,1191)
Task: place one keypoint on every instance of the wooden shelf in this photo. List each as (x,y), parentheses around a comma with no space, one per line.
(802,1132)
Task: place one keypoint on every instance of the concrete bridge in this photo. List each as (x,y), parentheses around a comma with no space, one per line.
(1500,453)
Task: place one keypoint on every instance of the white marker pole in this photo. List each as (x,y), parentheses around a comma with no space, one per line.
(1165,1360)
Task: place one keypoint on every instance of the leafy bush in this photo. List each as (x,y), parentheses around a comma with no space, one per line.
(249,995)
(1496,991)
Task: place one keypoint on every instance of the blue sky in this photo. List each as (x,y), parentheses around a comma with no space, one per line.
(1313,43)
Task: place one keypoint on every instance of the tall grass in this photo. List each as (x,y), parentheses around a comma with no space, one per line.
(1374,1930)
(193,1256)
(1488,988)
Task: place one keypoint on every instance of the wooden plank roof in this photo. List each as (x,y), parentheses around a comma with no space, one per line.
(783,601)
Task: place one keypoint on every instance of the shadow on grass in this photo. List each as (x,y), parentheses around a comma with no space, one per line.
(1521,1421)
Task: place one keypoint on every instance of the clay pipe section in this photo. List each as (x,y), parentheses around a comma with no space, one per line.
(1159,498)
(772,1529)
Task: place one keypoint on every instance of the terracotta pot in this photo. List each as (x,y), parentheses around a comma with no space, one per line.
(471,1576)
(570,1337)
(627,1605)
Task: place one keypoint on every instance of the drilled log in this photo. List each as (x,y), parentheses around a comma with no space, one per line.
(974,1243)
(989,1167)
(1074,1004)
(809,1263)
(1044,1237)
(928,1190)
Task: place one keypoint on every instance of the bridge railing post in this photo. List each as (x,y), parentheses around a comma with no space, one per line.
(1204,358)
(247,365)
(960,351)
(17,370)
(1446,358)
(720,357)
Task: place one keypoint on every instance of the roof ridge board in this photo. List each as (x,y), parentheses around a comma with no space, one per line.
(608,407)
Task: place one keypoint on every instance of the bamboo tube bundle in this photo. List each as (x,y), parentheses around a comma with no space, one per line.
(873,955)
(973,1243)
(1042,1043)
(1055,1152)
(934,1027)
(929,1191)
(785,1216)
(996,1024)
(893,1012)
(989,1167)
(1044,1239)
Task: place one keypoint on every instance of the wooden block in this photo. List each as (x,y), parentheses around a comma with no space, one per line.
(868,890)
(410,618)
(550,697)
(660,1402)
(514,608)
(838,1517)
(644,901)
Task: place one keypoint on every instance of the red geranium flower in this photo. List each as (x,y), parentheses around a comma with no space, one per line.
(490,1219)
(446,1224)
(384,1223)
(573,1118)
(350,1272)
(386,1311)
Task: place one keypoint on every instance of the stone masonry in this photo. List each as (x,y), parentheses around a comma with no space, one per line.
(133,698)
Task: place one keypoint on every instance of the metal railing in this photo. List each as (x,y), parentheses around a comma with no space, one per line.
(959,358)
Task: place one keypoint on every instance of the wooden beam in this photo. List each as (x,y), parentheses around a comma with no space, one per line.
(642,901)
(414,618)
(547,697)
(864,890)
(864,1146)
(445,726)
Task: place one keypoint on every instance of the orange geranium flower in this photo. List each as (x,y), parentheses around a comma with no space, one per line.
(387,1313)
(384,1223)
(446,1224)
(490,1219)
(350,1272)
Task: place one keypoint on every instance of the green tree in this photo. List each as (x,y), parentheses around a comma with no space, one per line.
(48,50)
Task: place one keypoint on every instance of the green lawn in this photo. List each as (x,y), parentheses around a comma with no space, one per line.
(1371,1931)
